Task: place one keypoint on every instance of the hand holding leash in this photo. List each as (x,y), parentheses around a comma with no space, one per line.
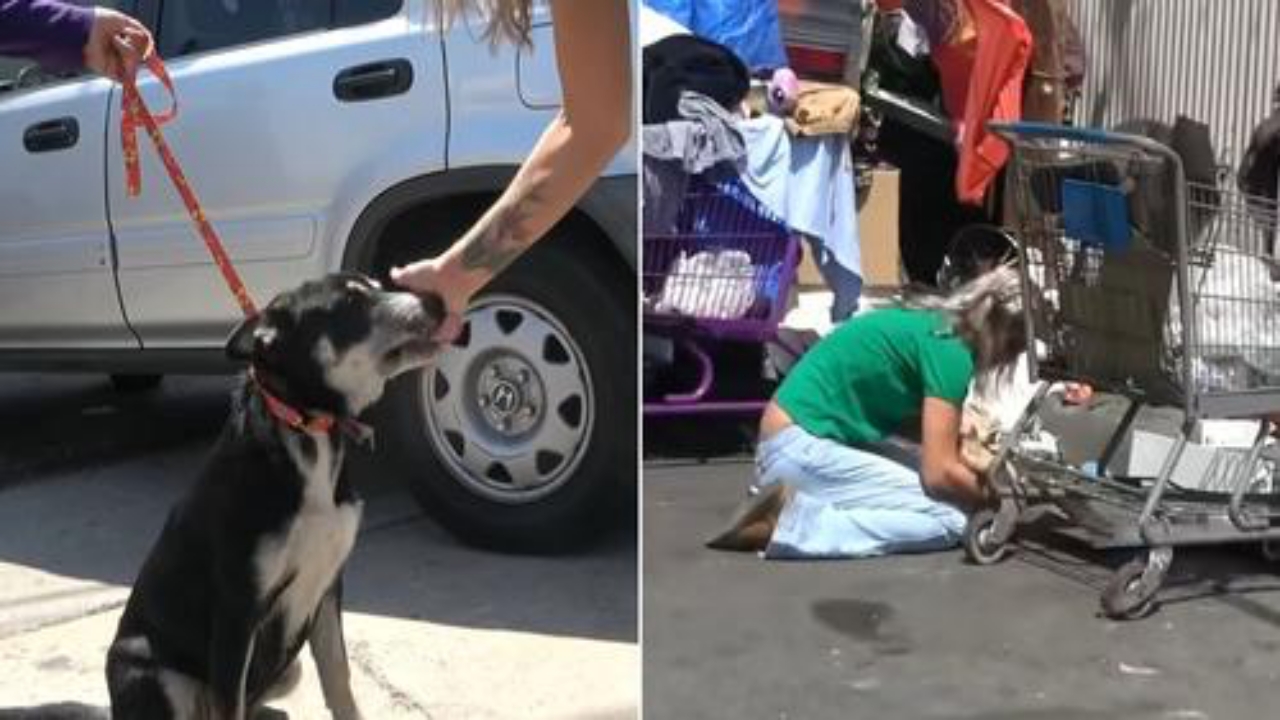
(117,45)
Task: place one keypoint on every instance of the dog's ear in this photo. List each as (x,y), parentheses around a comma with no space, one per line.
(247,335)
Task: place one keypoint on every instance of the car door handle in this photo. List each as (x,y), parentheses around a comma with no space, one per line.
(51,135)
(374,80)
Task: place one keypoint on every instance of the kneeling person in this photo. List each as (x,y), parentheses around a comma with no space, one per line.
(831,481)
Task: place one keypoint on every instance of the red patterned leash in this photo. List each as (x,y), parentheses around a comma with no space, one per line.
(135,112)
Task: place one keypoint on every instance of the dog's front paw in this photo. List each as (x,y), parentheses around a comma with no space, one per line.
(345,709)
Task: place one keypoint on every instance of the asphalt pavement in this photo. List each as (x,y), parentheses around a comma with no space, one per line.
(435,629)
(728,635)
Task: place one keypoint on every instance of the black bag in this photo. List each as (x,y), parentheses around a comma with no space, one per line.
(1191,141)
(684,62)
(896,70)
(1260,172)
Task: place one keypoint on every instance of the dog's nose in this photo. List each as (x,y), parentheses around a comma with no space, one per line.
(418,313)
(434,307)
(424,312)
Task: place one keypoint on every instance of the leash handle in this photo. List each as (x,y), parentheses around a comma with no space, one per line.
(134,112)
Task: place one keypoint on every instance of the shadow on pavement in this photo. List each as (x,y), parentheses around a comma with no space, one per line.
(56,711)
(930,636)
(698,438)
(53,424)
(87,477)
(1224,573)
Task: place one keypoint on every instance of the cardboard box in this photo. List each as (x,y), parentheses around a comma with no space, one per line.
(1201,467)
(807,275)
(877,231)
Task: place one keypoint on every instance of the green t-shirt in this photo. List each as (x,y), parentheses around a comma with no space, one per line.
(871,375)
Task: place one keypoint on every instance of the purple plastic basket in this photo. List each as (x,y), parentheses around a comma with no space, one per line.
(726,271)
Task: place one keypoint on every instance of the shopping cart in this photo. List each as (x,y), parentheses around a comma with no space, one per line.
(724,273)
(1144,285)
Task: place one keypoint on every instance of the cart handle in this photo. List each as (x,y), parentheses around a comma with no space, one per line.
(1012,131)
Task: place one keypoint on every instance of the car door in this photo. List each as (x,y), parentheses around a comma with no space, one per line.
(538,80)
(57,290)
(291,113)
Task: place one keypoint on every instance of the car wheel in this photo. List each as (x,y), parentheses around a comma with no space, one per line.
(522,435)
(135,383)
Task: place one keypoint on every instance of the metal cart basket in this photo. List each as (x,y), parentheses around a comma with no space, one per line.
(724,273)
(1144,285)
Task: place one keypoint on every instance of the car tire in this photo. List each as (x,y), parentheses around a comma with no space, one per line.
(135,383)
(530,442)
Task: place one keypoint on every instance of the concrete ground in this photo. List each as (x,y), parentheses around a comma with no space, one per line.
(928,636)
(434,629)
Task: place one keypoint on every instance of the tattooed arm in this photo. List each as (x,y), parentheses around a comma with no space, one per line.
(593,55)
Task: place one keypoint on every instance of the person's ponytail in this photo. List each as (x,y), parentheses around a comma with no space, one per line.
(506,20)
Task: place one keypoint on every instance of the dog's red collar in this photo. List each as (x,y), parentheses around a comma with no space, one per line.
(313,423)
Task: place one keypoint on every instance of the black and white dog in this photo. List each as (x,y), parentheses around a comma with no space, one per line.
(248,566)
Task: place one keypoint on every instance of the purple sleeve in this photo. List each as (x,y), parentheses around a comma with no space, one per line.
(51,32)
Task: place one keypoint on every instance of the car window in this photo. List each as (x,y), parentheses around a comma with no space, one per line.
(19,73)
(190,26)
(358,12)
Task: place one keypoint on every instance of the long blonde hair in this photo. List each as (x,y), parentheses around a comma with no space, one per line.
(988,314)
(508,20)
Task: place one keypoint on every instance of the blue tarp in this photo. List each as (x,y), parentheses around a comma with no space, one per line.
(749,28)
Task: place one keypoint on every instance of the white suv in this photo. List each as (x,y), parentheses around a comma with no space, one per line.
(327,134)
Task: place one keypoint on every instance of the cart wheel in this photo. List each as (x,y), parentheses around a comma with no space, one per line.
(1127,597)
(977,539)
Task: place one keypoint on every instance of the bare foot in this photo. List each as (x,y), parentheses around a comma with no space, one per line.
(754,521)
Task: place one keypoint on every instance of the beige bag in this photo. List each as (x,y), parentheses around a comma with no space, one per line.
(979,439)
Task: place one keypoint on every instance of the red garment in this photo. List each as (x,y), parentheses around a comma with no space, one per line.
(954,64)
(981,50)
(994,93)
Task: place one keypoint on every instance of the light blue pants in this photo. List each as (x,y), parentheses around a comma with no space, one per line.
(851,502)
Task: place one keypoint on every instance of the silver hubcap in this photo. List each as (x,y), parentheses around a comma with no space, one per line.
(510,406)
(510,395)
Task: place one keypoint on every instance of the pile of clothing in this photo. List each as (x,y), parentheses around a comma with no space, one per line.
(711,284)
(736,113)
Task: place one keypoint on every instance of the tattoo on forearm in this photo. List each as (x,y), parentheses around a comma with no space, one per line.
(502,236)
